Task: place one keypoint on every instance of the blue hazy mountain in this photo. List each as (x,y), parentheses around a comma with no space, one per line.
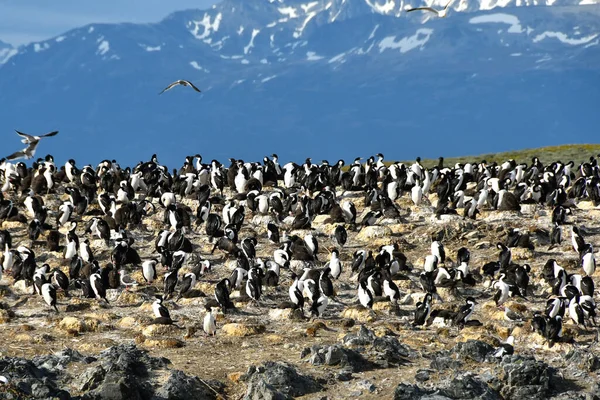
(322,79)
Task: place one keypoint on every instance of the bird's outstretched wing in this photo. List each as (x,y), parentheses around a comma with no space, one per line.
(16,156)
(53,133)
(448,5)
(170,86)
(193,86)
(422,9)
(27,153)
(26,138)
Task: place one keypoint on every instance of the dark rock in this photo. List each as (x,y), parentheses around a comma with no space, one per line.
(344,375)
(525,377)
(443,362)
(128,358)
(469,386)
(115,387)
(388,351)
(261,390)
(583,360)
(363,337)
(337,355)
(180,386)
(475,350)
(60,360)
(14,368)
(280,377)
(570,395)
(409,392)
(90,378)
(39,390)
(422,375)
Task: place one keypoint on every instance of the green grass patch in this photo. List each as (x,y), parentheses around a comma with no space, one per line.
(565,153)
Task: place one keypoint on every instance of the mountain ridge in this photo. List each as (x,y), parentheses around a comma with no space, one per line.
(332,85)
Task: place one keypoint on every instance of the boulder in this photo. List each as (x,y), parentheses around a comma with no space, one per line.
(374,231)
(157,330)
(525,377)
(180,386)
(240,329)
(359,313)
(336,355)
(75,326)
(278,380)
(475,350)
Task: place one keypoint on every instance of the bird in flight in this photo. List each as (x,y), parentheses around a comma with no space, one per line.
(180,82)
(440,13)
(32,143)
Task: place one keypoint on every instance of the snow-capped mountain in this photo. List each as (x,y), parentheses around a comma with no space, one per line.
(323,78)
(6,52)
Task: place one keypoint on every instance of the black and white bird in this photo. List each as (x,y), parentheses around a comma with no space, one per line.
(506,348)
(169,283)
(334,264)
(295,292)
(423,310)
(466,311)
(440,13)
(98,287)
(209,325)
(364,294)
(32,143)
(318,306)
(159,309)
(340,236)
(149,270)
(273,233)
(180,82)
(254,285)
(61,280)
(49,295)
(222,294)
(187,283)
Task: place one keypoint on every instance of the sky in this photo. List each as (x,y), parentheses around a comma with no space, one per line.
(25,21)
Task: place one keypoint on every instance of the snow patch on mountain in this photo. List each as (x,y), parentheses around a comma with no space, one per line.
(564,38)
(387,6)
(268,78)
(312,56)
(251,43)
(207,26)
(6,54)
(103,47)
(290,12)
(195,65)
(37,47)
(515,24)
(408,43)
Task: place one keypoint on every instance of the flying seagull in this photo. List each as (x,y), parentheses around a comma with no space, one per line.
(439,13)
(180,82)
(32,142)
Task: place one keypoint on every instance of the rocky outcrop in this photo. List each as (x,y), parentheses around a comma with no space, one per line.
(278,380)
(120,372)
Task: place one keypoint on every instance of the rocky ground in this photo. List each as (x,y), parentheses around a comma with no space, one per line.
(91,350)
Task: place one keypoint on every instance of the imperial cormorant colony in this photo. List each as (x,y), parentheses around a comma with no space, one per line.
(247,207)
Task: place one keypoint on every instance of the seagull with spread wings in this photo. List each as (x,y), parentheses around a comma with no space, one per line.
(32,143)
(180,82)
(440,13)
